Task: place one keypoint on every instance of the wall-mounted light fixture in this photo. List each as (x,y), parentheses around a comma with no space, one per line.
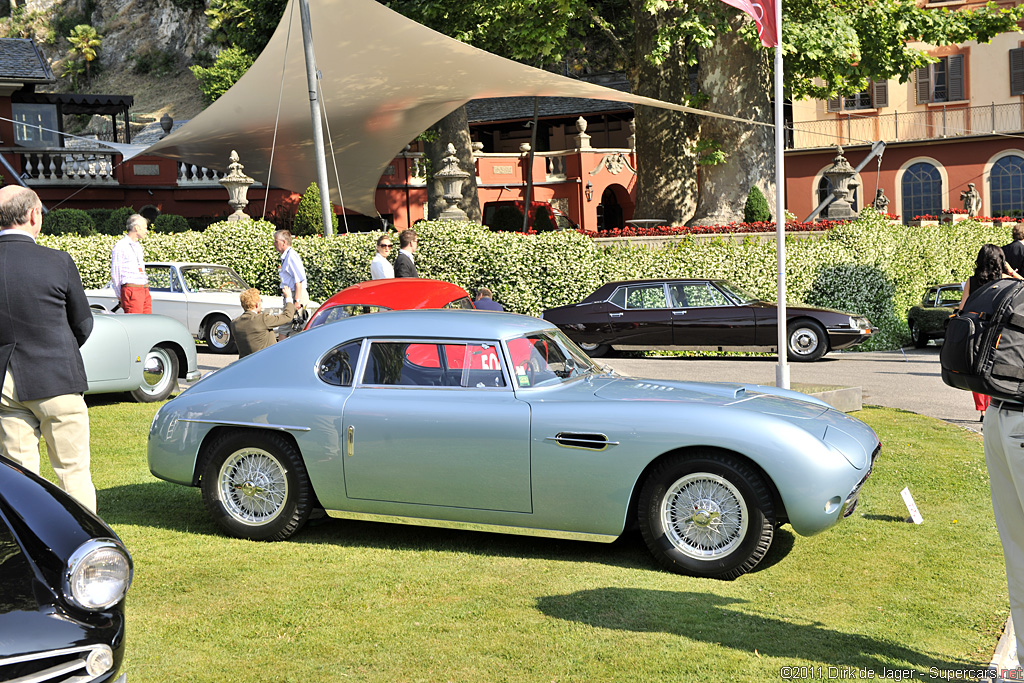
(590,191)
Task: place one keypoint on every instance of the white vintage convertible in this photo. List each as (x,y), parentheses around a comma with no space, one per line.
(202,296)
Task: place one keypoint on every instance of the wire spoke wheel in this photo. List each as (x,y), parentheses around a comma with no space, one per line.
(704,515)
(254,486)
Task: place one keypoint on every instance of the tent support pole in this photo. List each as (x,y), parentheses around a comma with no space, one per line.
(318,134)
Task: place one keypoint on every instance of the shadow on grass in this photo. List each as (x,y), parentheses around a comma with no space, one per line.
(163,505)
(706,617)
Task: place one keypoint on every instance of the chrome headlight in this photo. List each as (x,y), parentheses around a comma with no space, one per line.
(859,323)
(98,574)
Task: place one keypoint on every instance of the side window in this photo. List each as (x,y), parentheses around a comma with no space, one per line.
(646,296)
(703,295)
(460,303)
(950,296)
(338,365)
(619,297)
(159,278)
(470,365)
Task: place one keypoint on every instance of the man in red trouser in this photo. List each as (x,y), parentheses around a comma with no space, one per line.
(128,268)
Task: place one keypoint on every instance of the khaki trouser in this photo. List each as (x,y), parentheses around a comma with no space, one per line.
(63,421)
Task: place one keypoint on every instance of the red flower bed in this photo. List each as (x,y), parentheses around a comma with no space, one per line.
(664,230)
(957,211)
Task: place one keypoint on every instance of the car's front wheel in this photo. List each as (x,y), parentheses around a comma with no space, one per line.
(595,350)
(218,335)
(255,486)
(708,514)
(807,341)
(917,336)
(159,375)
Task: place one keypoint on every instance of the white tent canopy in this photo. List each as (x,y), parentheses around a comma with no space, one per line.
(384,80)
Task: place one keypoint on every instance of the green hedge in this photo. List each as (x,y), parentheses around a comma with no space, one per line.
(868,266)
(68,222)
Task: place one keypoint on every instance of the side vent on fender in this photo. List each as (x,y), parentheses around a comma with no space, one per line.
(593,442)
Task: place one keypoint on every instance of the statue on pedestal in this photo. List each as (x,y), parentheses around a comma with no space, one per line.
(972,200)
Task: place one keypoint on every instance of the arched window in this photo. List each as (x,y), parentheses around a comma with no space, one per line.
(1007,187)
(825,189)
(922,191)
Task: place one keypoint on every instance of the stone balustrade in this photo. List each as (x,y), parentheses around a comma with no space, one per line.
(60,166)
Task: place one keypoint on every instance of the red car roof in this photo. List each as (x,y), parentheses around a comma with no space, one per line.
(398,294)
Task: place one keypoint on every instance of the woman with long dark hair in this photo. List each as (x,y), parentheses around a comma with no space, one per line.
(989,266)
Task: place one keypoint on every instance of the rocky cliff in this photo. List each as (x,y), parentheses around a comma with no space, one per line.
(147,46)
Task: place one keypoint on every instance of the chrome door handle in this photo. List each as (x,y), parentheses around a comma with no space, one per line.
(350,441)
(615,315)
(678,312)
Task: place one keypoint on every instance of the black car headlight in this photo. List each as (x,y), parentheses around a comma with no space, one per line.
(98,574)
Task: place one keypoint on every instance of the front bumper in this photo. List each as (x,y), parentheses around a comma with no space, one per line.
(850,504)
(845,337)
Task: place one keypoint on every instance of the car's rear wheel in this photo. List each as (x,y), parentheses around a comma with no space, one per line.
(709,514)
(595,350)
(807,341)
(159,375)
(917,336)
(218,335)
(255,486)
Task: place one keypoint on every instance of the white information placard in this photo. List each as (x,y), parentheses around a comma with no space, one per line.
(911,506)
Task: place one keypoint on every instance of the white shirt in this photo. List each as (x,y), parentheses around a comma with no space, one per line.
(127,264)
(381,268)
(16,231)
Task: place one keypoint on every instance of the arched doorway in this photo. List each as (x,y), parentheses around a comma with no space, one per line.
(609,211)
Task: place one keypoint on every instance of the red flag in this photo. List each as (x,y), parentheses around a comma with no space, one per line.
(763,12)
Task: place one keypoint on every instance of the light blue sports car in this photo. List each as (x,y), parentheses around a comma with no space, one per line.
(497,422)
(145,355)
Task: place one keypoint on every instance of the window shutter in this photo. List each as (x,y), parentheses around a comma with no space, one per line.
(880,94)
(956,78)
(833,105)
(924,88)
(1017,71)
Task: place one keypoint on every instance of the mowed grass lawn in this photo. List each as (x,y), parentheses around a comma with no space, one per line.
(374,602)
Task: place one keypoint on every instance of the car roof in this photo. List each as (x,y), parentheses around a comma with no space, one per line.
(446,323)
(399,293)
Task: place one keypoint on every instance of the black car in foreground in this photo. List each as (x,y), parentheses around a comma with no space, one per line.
(63,578)
(696,314)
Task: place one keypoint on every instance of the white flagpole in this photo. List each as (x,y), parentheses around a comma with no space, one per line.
(782,371)
(318,133)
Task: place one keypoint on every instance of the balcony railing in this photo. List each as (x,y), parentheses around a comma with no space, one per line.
(62,166)
(934,124)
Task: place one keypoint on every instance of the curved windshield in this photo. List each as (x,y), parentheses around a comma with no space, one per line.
(212,279)
(547,358)
(340,312)
(736,293)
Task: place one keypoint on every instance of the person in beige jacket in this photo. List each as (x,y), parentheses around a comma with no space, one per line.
(254,329)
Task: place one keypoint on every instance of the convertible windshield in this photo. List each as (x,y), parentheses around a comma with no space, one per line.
(547,358)
(736,293)
(212,279)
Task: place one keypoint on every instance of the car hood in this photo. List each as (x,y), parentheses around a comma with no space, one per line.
(836,428)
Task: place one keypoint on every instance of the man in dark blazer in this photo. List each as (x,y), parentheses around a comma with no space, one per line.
(44,319)
(1014,251)
(404,264)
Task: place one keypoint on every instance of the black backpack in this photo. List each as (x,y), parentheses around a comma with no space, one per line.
(984,346)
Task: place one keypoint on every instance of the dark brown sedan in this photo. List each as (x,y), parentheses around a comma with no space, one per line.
(701,315)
